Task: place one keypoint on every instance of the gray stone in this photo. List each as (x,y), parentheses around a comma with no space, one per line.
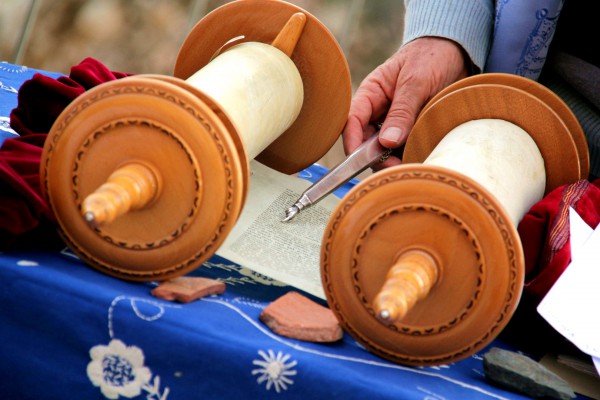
(522,374)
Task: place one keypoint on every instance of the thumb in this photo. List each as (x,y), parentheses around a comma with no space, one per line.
(406,105)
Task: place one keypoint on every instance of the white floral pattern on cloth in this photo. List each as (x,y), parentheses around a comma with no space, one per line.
(274,370)
(15,69)
(5,125)
(304,174)
(118,369)
(8,88)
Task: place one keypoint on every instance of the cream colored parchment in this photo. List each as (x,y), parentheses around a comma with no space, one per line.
(285,251)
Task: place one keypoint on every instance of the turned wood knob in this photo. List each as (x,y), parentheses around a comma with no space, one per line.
(131,187)
(288,37)
(409,280)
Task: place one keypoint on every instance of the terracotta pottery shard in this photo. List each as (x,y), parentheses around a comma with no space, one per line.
(187,288)
(297,317)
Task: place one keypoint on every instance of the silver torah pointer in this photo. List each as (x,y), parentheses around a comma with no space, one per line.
(367,154)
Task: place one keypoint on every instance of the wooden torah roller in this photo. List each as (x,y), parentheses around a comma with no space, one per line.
(422,262)
(148,174)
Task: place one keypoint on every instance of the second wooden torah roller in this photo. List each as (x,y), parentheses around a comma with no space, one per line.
(148,174)
(422,263)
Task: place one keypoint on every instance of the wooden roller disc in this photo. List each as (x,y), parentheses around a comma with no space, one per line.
(521,101)
(544,94)
(457,223)
(317,55)
(176,145)
(449,235)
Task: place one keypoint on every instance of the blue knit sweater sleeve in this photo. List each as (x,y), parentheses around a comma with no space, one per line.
(467,22)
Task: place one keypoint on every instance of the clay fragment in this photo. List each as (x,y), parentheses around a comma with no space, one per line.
(296,316)
(185,289)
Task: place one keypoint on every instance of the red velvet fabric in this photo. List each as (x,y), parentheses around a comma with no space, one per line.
(41,99)
(545,236)
(545,233)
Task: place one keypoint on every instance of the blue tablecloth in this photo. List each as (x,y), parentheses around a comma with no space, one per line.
(11,78)
(70,332)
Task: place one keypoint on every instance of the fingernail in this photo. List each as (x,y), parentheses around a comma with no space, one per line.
(392,134)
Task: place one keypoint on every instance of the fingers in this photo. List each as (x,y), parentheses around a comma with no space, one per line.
(369,104)
(352,135)
(409,98)
(381,94)
(399,89)
(428,65)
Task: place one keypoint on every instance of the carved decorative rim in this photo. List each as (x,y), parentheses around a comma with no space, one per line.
(226,152)
(472,239)
(195,203)
(509,239)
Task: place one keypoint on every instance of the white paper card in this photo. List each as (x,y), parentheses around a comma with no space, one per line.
(572,306)
(580,232)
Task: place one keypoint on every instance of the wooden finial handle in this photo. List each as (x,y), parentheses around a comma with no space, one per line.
(288,37)
(129,188)
(408,280)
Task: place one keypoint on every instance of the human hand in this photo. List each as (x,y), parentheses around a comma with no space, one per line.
(396,91)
